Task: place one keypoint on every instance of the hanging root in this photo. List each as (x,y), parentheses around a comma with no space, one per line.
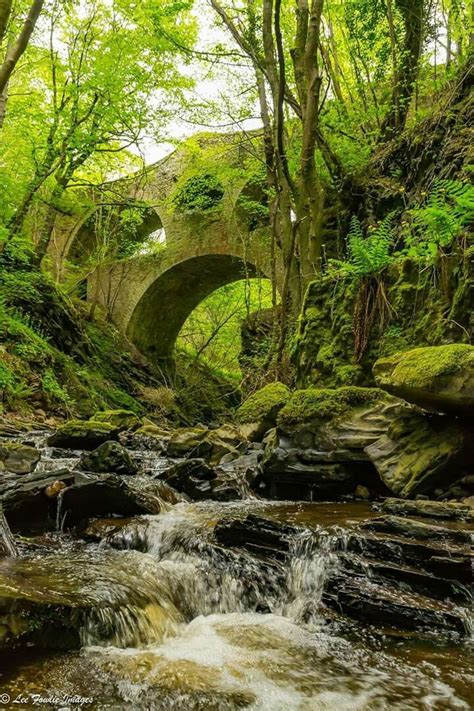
(371,305)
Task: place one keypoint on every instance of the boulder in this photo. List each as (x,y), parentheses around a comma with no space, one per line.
(82,434)
(200,442)
(27,501)
(192,477)
(109,495)
(437,378)
(18,458)
(418,454)
(108,457)
(260,410)
(120,419)
(317,451)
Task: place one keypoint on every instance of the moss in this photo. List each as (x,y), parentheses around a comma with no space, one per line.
(121,419)
(264,404)
(80,428)
(305,406)
(420,367)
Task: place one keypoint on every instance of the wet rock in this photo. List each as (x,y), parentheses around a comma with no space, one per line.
(452,562)
(53,490)
(199,481)
(413,529)
(108,495)
(362,492)
(26,503)
(404,577)
(418,453)
(82,434)
(7,542)
(108,457)
(200,443)
(18,458)
(256,535)
(378,605)
(430,509)
(438,378)
(289,474)
(120,419)
(96,530)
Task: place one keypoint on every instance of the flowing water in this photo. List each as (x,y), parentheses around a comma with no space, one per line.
(183,624)
(167,619)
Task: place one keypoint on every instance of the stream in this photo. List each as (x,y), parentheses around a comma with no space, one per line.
(168,619)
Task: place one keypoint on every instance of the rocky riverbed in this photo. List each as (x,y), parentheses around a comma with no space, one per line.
(148,567)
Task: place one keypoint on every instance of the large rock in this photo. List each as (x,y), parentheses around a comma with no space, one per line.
(317,452)
(109,495)
(259,411)
(83,434)
(120,419)
(199,442)
(438,378)
(199,481)
(418,454)
(110,457)
(27,501)
(18,458)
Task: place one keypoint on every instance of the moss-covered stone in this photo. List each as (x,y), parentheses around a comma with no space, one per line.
(83,434)
(265,404)
(18,458)
(417,454)
(315,404)
(438,378)
(419,307)
(121,419)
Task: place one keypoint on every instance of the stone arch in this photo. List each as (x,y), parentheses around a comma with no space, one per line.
(165,305)
(83,240)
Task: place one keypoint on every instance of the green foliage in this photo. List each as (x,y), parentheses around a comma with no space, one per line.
(7,377)
(448,210)
(52,388)
(199,193)
(368,254)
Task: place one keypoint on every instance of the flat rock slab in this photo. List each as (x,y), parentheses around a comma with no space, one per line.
(413,529)
(429,509)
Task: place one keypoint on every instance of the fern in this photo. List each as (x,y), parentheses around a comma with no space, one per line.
(367,254)
(448,209)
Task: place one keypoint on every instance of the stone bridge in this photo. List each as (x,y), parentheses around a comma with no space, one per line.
(150,295)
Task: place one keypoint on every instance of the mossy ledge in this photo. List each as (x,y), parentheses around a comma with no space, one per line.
(264,404)
(439,377)
(306,406)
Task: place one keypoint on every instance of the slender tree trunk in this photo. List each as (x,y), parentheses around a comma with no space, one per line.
(17,48)
(413,14)
(5,12)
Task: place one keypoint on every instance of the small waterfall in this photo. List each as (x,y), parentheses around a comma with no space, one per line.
(204,579)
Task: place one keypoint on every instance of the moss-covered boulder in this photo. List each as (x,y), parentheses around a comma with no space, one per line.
(120,419)
(311,407)
(83,434)
(418,454)
(438,378)
(259,412)
(18,458)
(202,443)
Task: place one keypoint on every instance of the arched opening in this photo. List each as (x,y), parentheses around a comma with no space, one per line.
(112,232)
(165,306)
(212,333)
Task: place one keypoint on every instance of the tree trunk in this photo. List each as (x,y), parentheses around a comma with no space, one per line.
(5,11)
(16,50)
(413,14)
